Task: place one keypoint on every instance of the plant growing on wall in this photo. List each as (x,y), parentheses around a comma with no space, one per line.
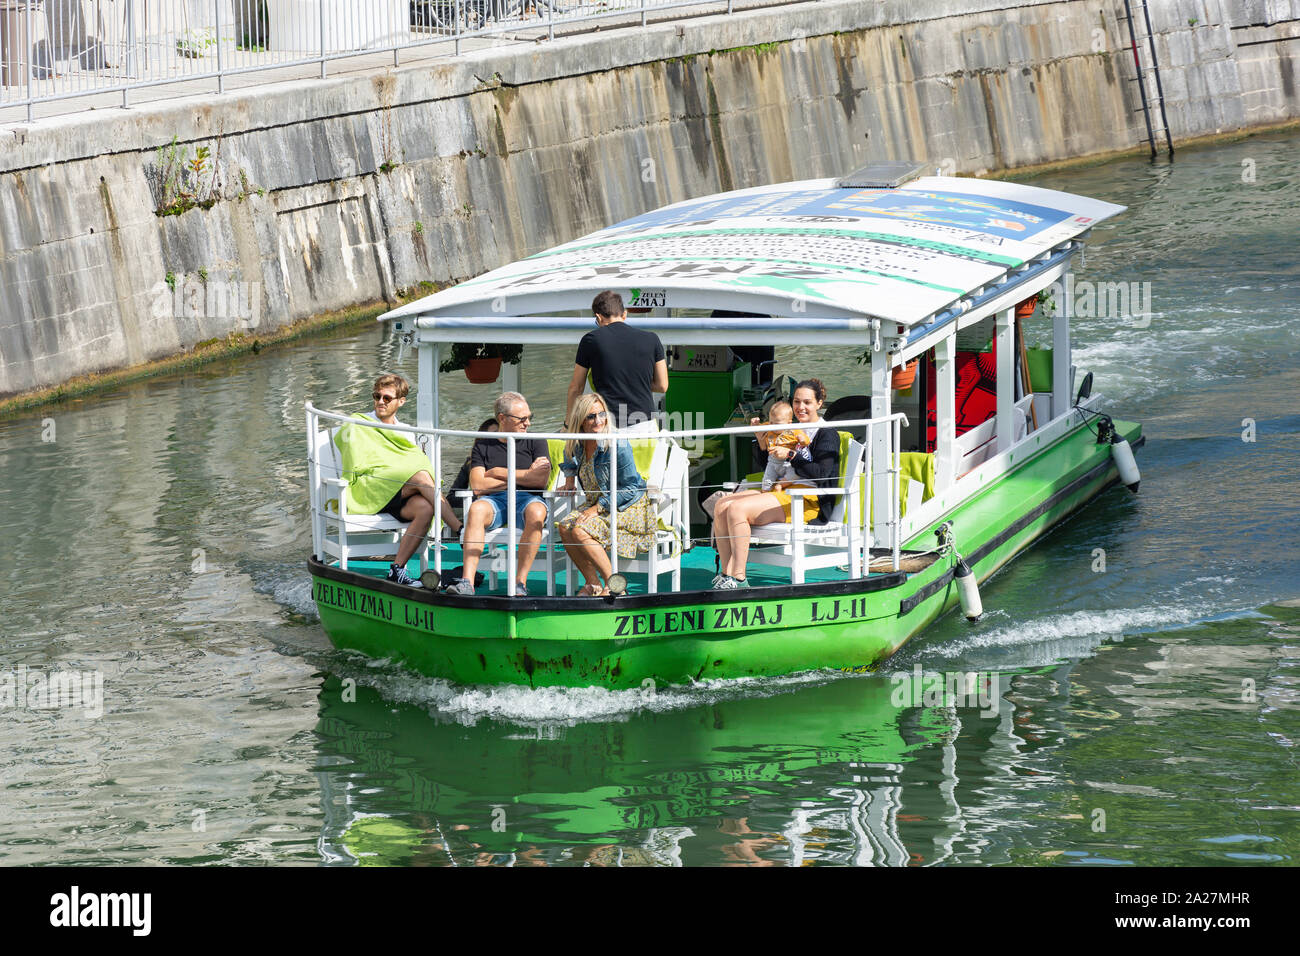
(387,147)
(186,181)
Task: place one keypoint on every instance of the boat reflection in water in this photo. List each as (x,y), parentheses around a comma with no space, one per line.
(859,770)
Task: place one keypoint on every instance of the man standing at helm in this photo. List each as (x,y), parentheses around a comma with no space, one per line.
(626,364)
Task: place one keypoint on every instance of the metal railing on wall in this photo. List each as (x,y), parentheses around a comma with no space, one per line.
(59,50)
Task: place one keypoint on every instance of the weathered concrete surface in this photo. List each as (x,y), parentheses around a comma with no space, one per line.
(336,193)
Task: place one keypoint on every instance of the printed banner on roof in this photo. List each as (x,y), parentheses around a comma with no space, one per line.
(898,254)
(967,213)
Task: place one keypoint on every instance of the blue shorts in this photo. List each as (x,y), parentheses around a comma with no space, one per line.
(499,502)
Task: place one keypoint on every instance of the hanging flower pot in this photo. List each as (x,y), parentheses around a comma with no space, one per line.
(904,375)
(1025,309)
(481,362)
(483,371)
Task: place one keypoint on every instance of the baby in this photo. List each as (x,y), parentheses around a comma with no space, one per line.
(780,473)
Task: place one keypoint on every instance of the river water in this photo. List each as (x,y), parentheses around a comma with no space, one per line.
(1143,697)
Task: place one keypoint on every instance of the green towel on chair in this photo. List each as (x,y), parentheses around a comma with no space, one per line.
(555,452)
(915,466)
(376,463)
(643,453)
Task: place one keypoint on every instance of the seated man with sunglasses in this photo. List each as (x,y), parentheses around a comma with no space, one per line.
(388,473)
(488,476)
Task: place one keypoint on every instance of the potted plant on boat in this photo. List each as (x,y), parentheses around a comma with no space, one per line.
(903,376)
(1044,297)
(482,363)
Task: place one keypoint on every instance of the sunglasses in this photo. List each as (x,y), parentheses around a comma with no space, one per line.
(525,419)
(383,398)
(597,417)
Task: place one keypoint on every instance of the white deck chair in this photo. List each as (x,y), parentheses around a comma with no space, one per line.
(666,485)
(339,533)
(805,547)
(495,543)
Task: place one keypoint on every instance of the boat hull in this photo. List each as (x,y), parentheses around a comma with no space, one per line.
(663,639)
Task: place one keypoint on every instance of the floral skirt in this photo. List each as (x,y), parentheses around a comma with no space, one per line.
(636,527)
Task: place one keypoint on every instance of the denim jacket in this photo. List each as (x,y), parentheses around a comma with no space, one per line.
(631,486)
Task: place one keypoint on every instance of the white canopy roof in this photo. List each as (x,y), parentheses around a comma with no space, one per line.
(810,251)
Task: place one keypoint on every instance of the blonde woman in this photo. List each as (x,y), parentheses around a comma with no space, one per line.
(585,532)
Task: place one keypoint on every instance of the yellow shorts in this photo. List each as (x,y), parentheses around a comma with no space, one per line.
(809,506)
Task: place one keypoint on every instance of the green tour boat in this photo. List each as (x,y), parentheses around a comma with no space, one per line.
(963,448)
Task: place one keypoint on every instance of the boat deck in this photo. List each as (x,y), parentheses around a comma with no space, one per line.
(698,568)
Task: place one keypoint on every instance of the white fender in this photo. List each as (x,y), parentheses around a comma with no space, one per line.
(1122,452)
(968,591)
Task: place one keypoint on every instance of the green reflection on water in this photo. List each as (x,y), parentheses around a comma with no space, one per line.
(1117,759)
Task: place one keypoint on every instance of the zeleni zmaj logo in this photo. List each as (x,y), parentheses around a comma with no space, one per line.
(648,299)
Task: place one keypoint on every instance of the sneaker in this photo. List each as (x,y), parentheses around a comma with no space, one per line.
(717,579)
(727,583)
(397,574)
(741,582)
(462,587)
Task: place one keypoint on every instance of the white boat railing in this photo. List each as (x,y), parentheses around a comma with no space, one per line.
(886,480)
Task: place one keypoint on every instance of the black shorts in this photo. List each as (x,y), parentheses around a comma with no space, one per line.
(394,506)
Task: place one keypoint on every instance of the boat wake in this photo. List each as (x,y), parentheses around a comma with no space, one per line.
(288,585)
(547,710)
(296,595)
(1055,637)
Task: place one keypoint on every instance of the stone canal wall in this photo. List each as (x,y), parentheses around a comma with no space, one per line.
(325,195)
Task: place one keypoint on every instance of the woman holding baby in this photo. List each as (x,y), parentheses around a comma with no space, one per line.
(803,452)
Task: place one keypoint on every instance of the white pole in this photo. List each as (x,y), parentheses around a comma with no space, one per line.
(437,371)
(510,377)
(895,477)
(510,517)
(426,396)
(1062,400)
(613,501)
(1006,414)
(313,479)
(945,392)
(879,451)
(27,60)
(864,506)
(437,512)
(221,76)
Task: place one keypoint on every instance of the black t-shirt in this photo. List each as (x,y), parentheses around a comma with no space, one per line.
(489,453)
(622,363)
